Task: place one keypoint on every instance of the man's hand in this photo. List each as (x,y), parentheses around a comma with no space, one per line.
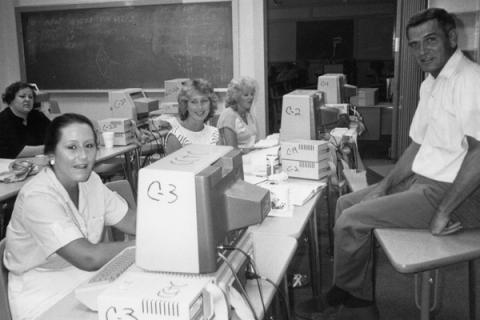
(379,191)
(441,225)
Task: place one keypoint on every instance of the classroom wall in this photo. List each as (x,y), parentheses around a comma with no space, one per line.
(249,56)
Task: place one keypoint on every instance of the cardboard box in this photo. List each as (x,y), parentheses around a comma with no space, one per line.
(115,124)
(306,169)
(331,84)
(366,97)
(305,150)
(172,87)
(299,110)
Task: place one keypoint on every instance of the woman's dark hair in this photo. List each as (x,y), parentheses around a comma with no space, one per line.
(445,19)
(9,95)
(188,89)
(54,131)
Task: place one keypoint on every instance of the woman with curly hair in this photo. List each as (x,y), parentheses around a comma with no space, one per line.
(238,127)
(197,103)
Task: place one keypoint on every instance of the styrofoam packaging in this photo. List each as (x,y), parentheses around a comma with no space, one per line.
(304,150)
(124,138)
(306,169)
(168,107)
(172,87)
(115,124)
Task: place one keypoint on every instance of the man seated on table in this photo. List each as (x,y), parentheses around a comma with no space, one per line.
(437,171)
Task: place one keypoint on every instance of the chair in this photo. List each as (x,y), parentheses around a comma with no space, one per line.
(4,304)
(110,168)
(123,188)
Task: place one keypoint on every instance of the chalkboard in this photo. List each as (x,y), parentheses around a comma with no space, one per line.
(127,46)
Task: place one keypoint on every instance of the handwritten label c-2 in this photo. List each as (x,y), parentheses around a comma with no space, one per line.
(292,111)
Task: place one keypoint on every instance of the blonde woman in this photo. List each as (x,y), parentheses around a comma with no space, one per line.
(238,127)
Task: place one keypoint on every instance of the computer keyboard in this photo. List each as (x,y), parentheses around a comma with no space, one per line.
(88,292)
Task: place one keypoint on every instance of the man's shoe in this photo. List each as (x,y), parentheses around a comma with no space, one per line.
(363,313)
(337,296)
(354,302)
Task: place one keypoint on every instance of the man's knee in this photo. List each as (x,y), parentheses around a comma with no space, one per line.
(345,221)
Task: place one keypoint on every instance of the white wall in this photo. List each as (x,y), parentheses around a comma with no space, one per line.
(9,63)
(249,53)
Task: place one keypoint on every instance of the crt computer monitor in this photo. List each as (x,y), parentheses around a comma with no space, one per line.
(131,103)
(188,204)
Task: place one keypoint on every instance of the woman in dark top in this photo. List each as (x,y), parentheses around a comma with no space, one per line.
(22,128)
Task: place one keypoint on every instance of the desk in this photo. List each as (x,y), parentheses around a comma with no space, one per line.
(9,190)
(272,256)
(294,227)
(132,165)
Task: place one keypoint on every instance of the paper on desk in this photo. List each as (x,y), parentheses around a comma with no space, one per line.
(270,141)
(303,190)
(300,190)
(281,213)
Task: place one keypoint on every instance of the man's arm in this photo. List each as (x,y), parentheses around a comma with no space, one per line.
(467,180)
(401,171)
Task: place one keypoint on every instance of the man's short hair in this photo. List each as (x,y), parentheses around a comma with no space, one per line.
(445,19)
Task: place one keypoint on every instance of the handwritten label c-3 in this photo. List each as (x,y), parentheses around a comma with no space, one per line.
(123,314)
(154,192)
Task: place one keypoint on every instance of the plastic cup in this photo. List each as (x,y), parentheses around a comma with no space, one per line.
(108,139)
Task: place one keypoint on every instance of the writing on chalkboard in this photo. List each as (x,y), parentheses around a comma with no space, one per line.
(127,46)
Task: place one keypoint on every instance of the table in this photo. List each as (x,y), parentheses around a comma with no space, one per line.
(132,164)
(418,251)
(294,227)
(9,190)
(272,255)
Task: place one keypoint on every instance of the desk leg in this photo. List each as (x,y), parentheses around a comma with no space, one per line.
(315,304)
(425,295)
(315,273)
(472,282)
(288,308)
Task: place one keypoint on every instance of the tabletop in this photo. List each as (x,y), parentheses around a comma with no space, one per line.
(8,190)
(272,255)
(416,250)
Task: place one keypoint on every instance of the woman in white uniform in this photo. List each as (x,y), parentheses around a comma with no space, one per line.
(197,103)
(53,238)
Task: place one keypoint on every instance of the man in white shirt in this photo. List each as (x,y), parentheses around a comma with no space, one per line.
(434,175)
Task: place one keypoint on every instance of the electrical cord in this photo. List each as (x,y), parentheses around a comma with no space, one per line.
(251,263)
(251,275)
(242,289)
